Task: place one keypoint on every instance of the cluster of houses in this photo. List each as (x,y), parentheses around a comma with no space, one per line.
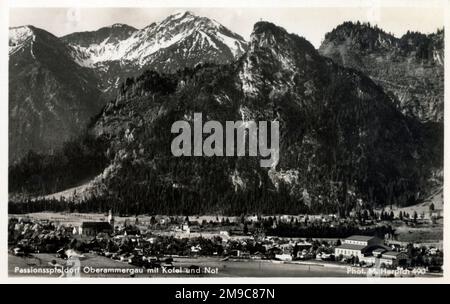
(360,249)
(191,226)
(357,248)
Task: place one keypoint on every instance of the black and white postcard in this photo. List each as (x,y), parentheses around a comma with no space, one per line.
(149,140)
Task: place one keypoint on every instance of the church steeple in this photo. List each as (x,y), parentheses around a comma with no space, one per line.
(111,218)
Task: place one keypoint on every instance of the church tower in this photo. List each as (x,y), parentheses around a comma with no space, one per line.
(111,218)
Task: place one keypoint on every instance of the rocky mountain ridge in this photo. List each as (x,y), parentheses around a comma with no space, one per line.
(409,68)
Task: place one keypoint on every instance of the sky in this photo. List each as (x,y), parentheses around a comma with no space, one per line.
(309,22)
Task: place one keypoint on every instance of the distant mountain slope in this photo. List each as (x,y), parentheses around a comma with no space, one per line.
(410,68)
(50,97)
(180,40)
(96,46)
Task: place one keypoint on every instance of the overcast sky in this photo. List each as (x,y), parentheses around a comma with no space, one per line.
(311,23)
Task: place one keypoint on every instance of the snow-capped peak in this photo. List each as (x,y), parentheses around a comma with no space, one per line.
(181,14)
(118,25)
(18,36)
(140,46)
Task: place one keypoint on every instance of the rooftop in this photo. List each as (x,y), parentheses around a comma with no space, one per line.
(390,254)
(96,225)
(352,247)
(361,238)
(379,250)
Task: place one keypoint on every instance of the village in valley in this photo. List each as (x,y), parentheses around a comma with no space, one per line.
(395,243)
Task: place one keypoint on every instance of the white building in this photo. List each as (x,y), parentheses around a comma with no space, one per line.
(394,258)
(283,257)
(359,246)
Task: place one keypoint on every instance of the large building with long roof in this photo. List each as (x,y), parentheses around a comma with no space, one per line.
(359,246)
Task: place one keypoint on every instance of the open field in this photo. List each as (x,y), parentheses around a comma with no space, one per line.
(71,219)
(436,198)
(424,233)
(221,268)
(80,191)
(44,260)
(421,234)
(216,267)
(75,219)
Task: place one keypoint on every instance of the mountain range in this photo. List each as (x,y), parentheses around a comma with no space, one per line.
(180,40)
(346,136)
(58,84)
(343,139)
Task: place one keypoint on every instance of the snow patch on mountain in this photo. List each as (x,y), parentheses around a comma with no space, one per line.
(237,47)
(18,36)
